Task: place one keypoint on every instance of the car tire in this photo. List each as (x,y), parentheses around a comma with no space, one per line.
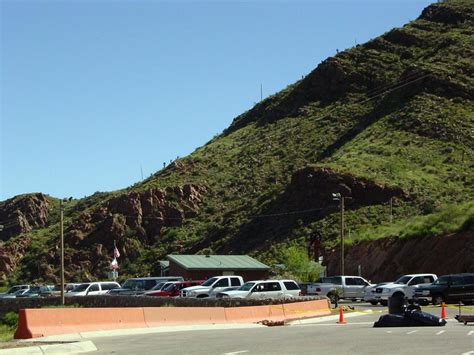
(373,303)
(438,299)
(384,303)
(202,296)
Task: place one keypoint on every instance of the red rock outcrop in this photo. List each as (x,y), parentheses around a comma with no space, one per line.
(387,258)
(22,214)
(312,187)
(136,215)
(11,254)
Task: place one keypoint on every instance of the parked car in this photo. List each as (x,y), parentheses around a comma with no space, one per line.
(14,289)
(405,286)
(452,288)
(369,294)
(17,293)
(264,289)
(138,285)
(212,286)
(335,287)
(173,289)
(93,288)
(35,291)
(56,291)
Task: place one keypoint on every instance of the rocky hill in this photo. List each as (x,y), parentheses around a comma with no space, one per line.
(387,122)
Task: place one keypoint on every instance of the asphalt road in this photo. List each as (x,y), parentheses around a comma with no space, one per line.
(321,336)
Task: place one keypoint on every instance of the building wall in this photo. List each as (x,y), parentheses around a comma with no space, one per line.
(176,270)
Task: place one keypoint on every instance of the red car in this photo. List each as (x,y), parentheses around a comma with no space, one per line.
(174,289)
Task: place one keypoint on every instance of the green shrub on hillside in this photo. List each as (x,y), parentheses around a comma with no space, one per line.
(450,219)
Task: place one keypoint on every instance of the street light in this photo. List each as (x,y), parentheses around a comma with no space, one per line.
(338,197)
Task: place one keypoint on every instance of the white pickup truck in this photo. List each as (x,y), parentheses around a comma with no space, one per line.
(405,286)
(212,286)
(335,287)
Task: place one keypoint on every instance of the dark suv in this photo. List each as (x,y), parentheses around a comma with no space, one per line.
(452,288)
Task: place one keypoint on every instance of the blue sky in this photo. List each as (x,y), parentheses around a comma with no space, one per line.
(95,91)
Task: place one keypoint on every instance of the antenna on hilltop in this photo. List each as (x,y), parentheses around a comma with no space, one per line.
(141,170)
(261,92)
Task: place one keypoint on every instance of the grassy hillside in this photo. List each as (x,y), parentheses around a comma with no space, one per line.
(394,112)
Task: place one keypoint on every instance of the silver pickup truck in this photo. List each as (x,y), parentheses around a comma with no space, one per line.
(335,287)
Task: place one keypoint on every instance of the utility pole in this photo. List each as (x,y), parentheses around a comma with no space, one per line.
(340,198)
(342,234)
(62,249)
(261,92)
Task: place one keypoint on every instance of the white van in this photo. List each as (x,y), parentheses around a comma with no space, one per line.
(92,289)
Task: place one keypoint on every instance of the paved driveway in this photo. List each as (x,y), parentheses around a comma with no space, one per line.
(321,336)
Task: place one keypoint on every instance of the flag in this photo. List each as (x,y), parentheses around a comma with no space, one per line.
(114,264)
(116,253)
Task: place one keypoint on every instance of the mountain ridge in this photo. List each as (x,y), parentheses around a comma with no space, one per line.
(392,115)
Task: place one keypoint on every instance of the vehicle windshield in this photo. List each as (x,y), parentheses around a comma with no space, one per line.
(443,280)
(14,289)
(34,289)
(158,287)
(246,286)
(80,288)
(210,281)
(169,287)
(403,280)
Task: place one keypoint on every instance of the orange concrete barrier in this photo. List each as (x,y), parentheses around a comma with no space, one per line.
(253,314)
(34,323)
(308,309)
(156,316)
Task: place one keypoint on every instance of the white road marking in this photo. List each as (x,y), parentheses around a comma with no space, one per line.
(330,324)
(389,331)
(440,332)
(468,353)
(413,331)
(471,332)
(236,352)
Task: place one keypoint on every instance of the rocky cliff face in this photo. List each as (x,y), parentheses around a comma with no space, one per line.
(311,190)
(388,258)
(127,219)
(19,216)
(11,254)
(312,187)
(22,214)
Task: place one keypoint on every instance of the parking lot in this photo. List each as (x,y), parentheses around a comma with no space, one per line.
(318,335)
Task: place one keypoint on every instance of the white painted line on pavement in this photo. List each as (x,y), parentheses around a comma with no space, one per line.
(236,352)
(440,332)
(468,353)
(389,331)
(331,324)
(470,333)
(413,331)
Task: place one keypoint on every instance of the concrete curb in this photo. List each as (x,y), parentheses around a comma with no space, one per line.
(70,348)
